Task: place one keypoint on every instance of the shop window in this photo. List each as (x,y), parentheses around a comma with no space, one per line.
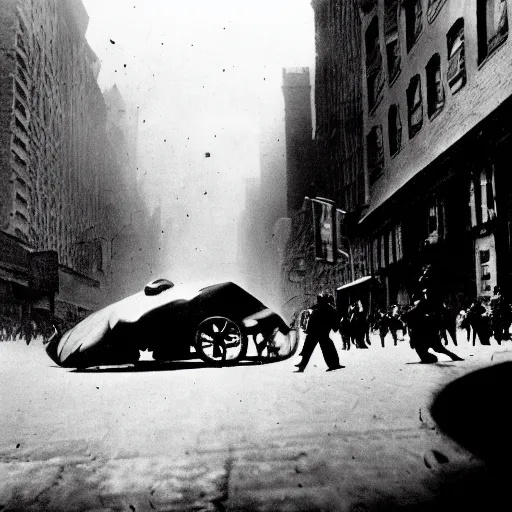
(375,255)
(482,194)
(435,223)
(492,26)
(375,153)
(383,247)
(394,130)
(374,78)
(413,21)
(398,242)
(392,39)
(415,106)
(456,56)
(435,90)
(391,247)
(485,271)
(434,7)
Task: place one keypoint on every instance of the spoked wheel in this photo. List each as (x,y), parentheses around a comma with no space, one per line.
(220,341)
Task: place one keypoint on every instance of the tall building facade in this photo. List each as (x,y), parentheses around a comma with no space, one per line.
(56,167)
(436,103)
(412,107)
(321,252)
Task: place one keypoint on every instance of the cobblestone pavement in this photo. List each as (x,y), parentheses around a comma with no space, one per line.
(253,437)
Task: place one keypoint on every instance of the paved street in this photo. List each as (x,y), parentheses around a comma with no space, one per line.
(253,437)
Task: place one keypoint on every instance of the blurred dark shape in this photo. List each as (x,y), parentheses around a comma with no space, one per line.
(207,155)
(474,411)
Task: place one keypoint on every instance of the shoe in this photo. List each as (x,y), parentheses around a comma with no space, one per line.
(299,370)
(339,367)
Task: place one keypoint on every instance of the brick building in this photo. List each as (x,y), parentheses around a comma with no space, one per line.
(436,104)
(57,208)
(428,99)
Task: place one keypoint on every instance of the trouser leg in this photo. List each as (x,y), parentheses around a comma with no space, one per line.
(329,352)
(309,345)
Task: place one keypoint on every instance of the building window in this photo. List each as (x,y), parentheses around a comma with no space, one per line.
(492,26)
(383,245)
(485,270)
(375,153)
(435,90)
(483,196)
(398,242)
(413,21)
(375,255)
(374,78)
(394,130)
(434,7)
(435,222)
(392,39)
(456,56)
(415,106)
(367,5)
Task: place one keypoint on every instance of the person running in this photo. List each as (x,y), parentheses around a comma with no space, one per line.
(424,322)
(322,320)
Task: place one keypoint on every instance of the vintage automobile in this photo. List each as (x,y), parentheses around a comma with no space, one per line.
(173,322)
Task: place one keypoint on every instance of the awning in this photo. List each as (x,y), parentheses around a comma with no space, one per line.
(355,283)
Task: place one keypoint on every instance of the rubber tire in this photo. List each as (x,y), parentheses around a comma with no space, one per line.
(223,362)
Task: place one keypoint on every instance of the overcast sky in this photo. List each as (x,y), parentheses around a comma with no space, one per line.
(206,76)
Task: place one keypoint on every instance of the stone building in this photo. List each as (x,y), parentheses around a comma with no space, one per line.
(426,120)
(56,166)
(436,104)
(321,252)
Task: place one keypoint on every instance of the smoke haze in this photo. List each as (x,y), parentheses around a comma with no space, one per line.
(205,78)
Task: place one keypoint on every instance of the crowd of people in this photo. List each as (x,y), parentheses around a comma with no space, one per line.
(428,321)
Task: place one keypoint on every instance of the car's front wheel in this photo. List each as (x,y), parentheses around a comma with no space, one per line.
(220,341)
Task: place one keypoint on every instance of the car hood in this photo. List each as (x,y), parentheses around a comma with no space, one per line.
(93,329)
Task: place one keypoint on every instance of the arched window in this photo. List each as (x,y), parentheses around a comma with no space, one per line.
(456,56)
(434,7)
(414,106)
(435,89)
(394,130)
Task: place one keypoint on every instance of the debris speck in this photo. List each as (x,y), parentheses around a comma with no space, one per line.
(112,41)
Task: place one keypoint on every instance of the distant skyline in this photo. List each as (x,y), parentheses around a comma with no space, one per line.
(206,77)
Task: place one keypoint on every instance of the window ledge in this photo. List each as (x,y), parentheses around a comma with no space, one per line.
(493,52)
(435,114)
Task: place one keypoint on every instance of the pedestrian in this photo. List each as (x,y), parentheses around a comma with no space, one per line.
(479,319)
(345,331)
(395,323)
(382,325)
(424,324)
(463,322)
(322,320)
(499,316)
(359,325)
(449,324)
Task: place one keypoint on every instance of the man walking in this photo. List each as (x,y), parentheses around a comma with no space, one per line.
(322,320)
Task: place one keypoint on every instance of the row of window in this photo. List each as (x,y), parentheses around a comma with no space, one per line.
(455,78)
(492,28)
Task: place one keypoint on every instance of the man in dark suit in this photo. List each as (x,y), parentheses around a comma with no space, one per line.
(322,320)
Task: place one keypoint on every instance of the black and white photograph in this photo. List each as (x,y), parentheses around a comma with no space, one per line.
(255,256)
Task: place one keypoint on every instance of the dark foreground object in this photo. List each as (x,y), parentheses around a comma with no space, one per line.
(174,323)
(474,410)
